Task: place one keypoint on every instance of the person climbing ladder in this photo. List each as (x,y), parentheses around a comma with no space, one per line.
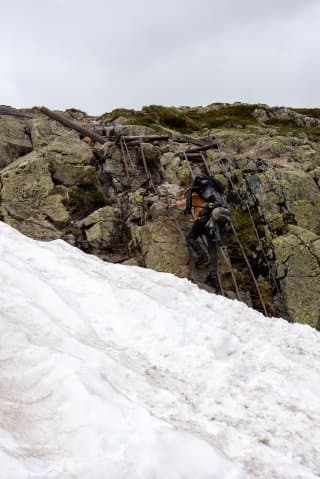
(205,199)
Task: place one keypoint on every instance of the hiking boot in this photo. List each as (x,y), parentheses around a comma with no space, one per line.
(201,260)
(212,280)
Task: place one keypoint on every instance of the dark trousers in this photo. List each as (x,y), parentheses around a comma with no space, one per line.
(199,229)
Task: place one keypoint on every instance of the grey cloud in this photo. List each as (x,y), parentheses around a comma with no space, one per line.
(99,55)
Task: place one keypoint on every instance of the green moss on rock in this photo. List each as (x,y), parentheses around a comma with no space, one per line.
(83,200)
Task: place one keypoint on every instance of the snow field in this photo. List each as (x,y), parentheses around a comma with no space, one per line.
(115,371)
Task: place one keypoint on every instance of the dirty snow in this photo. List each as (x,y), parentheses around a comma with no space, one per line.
(108,371)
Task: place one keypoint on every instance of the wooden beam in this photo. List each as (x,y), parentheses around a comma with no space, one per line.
(180,138)
(8,110)
(198,150)
(147,138)
(73,125)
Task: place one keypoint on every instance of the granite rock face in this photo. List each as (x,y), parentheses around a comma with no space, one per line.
(26,199)
(33,193)
(15,139)
(298,269)
(288,193)
(55,184)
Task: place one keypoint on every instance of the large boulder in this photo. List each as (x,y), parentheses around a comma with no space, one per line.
(99,227)
(103,234)
(69,159)
(44,130)
(287,195)
(28,202)
(297,256)
(175,170)
(152,154)
(285,115)
(32,196)
(158,242)
(15,140)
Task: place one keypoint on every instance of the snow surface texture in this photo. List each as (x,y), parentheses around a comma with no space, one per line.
(115,372)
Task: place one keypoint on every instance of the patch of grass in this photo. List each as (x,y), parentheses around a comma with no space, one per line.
(166,116)
(143,121)
(226,116)
(193,119)
(189,120)
(139,118)
(122,112)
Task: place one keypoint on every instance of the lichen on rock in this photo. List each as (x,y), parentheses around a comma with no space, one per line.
(297,256)
(15,140)
(158,242)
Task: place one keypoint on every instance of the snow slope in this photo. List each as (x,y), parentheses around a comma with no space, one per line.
(115,372)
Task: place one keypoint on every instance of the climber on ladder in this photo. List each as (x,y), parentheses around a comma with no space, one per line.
(206,200)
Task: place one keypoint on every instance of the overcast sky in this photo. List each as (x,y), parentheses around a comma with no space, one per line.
(97,55)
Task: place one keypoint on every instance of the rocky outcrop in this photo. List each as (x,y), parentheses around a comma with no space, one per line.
(15,139)
(287,195)
(298,268)
(41,191)
(55,184)
(26,201)
(102,233)
(264,113)
(158,243)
